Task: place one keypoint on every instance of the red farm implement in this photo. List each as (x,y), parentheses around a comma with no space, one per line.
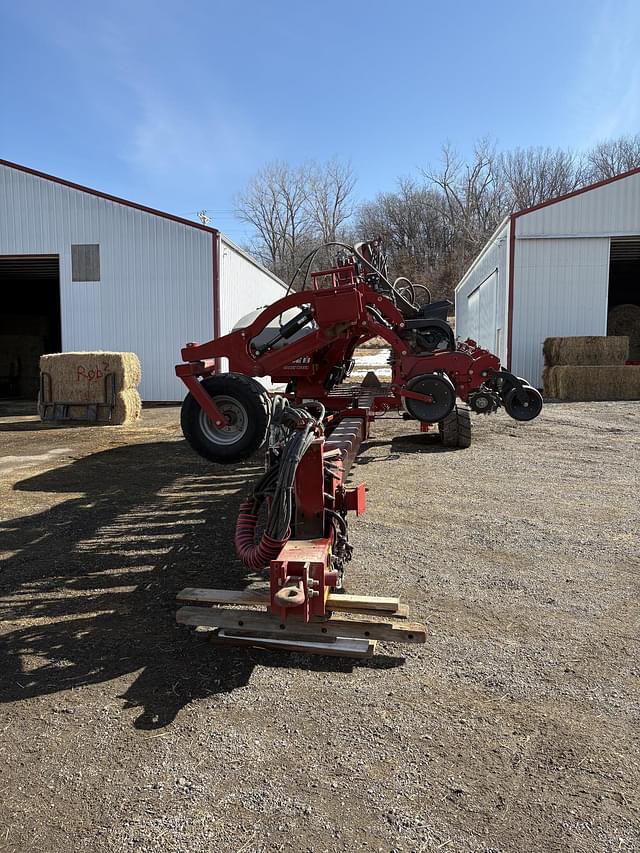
(312,432)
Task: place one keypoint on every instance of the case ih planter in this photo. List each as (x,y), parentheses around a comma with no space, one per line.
(312,434)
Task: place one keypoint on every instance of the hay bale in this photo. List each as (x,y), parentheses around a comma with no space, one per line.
(84,378)
(594,382)
(128,407)
(590,349)
(80,376)
(625,320)
(23,351)
(548,382)
(127,410)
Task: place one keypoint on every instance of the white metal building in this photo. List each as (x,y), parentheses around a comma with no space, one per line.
(555,269)
(81,270)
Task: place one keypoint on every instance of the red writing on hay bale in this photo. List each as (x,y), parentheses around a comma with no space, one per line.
(91,375)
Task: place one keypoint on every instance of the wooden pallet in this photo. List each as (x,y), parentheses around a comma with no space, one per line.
(234,624)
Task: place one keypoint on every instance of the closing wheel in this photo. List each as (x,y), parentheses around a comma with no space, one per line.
(245,406)
(526,411)
(455,429)
(443,397)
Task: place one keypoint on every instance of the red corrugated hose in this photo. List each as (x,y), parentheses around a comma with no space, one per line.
(255,555)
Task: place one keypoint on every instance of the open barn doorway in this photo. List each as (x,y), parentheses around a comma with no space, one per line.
(29,321)
(624,292)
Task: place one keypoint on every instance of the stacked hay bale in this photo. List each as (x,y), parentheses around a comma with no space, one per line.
(84,378)
(589,368)
(625,320)
(19,363)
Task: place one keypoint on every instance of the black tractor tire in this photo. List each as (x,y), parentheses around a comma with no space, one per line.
(247,410)
(527,412)
(455,428)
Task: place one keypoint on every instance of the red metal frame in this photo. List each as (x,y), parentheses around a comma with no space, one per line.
(342,322)
(302,576)
(344,315)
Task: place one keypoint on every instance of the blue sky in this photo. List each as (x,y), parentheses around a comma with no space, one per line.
(175,105)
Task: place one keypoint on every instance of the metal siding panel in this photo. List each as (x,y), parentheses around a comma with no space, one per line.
(492,263)
(156,287)
(611,209)
(487,313)
(472,313)
(245,287)
(560,290)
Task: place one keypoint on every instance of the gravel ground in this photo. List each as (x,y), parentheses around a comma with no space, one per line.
(515,728)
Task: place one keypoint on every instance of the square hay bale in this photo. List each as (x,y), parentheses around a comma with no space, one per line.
(79,377)
(20,354)
(84,378)
(594,382)
(548,382)
(127,410)
(625,320)
(589,349)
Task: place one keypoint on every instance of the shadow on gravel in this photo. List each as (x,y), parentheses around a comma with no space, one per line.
(418,443)
(422,442)
(38,426)
(90,584)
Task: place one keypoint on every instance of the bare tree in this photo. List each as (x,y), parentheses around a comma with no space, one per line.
(293,208)
(432,228)
(533,175)
(473,198)
(274,203)
(329,196)
(414,229)
(613,157)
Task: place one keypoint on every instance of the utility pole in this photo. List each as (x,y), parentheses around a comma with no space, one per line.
(202,216)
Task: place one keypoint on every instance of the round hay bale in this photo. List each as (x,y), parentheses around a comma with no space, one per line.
(586,349)
(625,320)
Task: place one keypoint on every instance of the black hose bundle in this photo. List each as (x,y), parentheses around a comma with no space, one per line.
(377,265)
(275,485)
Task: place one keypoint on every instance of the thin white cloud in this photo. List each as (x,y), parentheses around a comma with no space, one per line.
(607,91)
(168,138)
(201,135)
(172,134)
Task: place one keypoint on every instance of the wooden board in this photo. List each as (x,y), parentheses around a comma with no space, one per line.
(346,647)
(195,595)
(337,626)
(352,603)
(264,634)
(401,613)
(336,602)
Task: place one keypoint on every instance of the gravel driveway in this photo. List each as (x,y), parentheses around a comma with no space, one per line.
(515,728)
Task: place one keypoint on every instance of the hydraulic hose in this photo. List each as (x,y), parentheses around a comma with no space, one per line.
(255,555)
(276,487)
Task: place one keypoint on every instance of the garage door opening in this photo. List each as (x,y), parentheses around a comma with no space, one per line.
(624,292)
(29,322)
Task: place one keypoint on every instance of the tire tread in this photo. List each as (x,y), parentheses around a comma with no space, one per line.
(258,411)
(455,429)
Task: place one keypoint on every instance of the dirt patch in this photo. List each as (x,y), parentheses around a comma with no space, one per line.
(514,728)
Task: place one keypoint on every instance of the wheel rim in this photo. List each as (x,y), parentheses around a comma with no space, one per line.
(524,411)
(443,394)
(236,422)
